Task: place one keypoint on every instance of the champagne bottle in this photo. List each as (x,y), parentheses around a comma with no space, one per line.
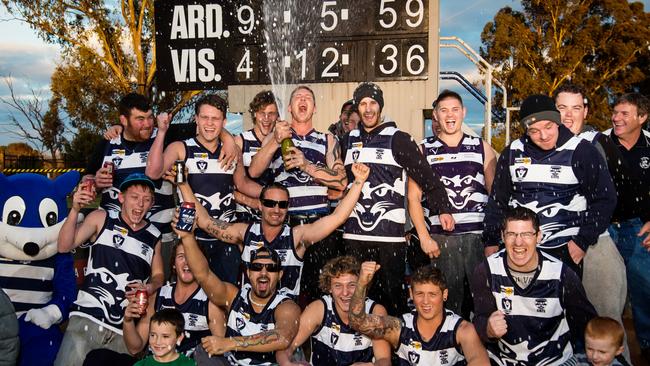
(286,144)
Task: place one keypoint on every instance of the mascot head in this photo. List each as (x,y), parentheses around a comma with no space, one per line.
(33,208)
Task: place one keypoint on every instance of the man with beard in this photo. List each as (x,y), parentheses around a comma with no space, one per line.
(308,169)
(271,231)
(375,230)
(264,111)
(466,167)
(326,323)
(260,320)
(213,183)
(529,307)
(559,176)
(604,270)
(124,252)
(430,335)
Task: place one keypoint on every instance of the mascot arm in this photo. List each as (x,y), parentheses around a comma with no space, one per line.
(65,285)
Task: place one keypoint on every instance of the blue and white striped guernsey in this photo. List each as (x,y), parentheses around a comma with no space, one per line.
(441,349)
(335,343)
(284,246)
(538,332)
(250,146)
(549,188)
(195,313)
(212,185)
(131,157)
(461,171)
(118,256)
(379,215)
(306,196)
(244,321)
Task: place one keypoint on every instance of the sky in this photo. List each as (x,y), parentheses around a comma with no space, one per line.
(30,61)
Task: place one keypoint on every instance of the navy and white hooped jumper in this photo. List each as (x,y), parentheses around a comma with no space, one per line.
(306,196)
(538,331)
(244,321)
(195,313)
(335,343)
(379,215)
(461,170)
(130,157)
(250,146)
(549,188)
(441,349)
(283,245)
(117,257)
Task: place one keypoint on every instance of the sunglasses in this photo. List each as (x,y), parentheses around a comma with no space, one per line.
(270,267)
(272,203)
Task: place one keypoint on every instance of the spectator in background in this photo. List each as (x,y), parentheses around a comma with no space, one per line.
(341,127)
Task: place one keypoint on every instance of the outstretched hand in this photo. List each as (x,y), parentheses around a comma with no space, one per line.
(360,172)
(368,270)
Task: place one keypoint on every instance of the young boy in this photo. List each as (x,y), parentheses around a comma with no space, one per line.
(603,343)
(165,333)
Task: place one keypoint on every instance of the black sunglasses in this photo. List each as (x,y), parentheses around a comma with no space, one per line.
(272,203)
(270,267)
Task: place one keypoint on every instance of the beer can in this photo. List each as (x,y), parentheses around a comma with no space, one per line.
(186,216)
(142,298)
(110,166)
(87,183)
(179,165)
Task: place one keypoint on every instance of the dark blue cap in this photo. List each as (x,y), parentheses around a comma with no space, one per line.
(137,178)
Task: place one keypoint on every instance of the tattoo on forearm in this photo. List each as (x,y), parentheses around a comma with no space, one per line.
(264,338)
(217,229)
(374,326)
(336,151)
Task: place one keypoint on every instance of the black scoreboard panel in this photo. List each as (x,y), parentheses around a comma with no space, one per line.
(211,44)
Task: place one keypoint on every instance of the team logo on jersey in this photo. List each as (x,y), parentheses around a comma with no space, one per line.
(415,345)
(522,160)
(264,327)
(119,152)
(202,165)
(144,249)
(192,319)
(334,338)
(521,172)
(357,145)
(143,157)
(355,155)
(117,161)
(282,254)
(506,305)
(507,290)
(444,357)
(414,358)
(358,339)
(240,324)
(645,162)
(379,154)
(118,240)
(540,304)
(555,172)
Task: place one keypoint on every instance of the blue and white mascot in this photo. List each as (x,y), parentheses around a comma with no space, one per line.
(39,281)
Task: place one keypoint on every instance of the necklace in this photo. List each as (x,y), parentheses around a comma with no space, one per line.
(255,303)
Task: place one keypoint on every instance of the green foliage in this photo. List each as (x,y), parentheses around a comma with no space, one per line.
(599,44)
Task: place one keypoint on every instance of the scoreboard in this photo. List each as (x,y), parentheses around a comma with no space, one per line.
(213,44)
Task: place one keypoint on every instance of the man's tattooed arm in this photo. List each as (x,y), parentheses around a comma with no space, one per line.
(374,326)
(332,176)
(224,231)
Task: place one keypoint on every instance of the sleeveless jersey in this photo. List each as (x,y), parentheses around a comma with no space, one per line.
(130,158)
(250,146)
(379,215)
(212,185)
(441,349)
(244,321)
(461,171)
(283,245)
(335,343)
(549,188)
(117,257)
(195,313)
(306,196)
(538,332)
